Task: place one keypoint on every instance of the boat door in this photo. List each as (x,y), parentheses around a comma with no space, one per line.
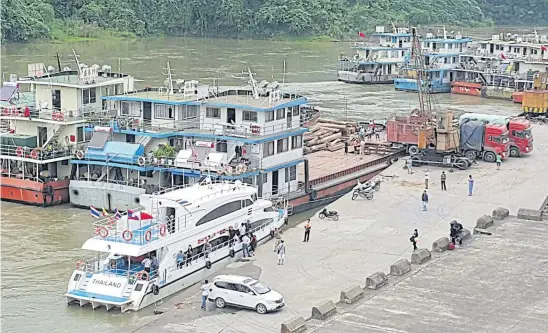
(147,111)
(56,99)
(231,116)
(42,135)
(289,118)
(275,182)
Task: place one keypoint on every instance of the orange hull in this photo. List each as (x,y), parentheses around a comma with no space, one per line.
(466,88)
(517,97)
(33,192)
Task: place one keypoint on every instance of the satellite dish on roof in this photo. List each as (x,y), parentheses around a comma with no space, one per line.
(66,69)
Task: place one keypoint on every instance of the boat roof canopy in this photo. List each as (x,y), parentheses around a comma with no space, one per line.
(121,152)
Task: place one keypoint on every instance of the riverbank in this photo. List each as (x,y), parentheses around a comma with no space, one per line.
(369,237)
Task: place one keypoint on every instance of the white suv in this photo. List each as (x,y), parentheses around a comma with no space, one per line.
(244,292)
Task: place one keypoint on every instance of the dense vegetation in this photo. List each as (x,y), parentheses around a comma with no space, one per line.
(24,20)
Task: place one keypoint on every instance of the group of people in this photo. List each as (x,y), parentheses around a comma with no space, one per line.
(443,178)
(359,142)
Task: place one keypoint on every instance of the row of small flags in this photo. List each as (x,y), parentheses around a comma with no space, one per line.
(131,215)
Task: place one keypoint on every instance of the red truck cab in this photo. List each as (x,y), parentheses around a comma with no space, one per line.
(496,141)
(521,136)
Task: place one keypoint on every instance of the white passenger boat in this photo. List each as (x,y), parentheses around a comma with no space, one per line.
(171,221)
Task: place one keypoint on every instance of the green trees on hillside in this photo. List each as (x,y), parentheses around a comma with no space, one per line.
(24,20)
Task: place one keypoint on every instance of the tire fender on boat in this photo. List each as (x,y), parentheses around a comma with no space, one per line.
(127,235)
(155,289)
(34,153)
(231,253)
(163,230)
(143,275)
(80,154)
(141,161)
(208,264)
(148,235)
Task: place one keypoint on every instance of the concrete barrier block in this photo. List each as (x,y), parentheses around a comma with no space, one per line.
(485,221)
(351,294)
(324,310)
(376,280)
(529,214)
(420,256)
(500,213)
(440,245)
(466,235)
(479,231)
(294,325)
(400,267)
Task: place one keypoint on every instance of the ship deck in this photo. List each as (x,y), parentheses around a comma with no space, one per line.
(325,163)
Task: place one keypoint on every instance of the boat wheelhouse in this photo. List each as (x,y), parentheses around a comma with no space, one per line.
(187,234)
(441,54)
(376,64)
(43,119)
(160,138)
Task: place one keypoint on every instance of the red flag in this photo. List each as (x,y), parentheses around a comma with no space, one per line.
(361,34)
(544,48)
(503,56)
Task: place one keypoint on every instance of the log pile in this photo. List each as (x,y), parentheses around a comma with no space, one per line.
(328,134)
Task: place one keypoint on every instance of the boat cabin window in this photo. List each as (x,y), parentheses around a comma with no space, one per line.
(138,287)
(269,209)
(254,197)
(246,203)
(77,277)
(262,222)
(223,210)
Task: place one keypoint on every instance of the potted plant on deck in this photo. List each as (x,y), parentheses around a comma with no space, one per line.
(165,154)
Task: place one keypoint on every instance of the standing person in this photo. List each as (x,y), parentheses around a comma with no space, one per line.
(426,179)
(499,161)
(409,166)
(205,293)
(416,233)
(180,259)
(443,178)
(470,185)
(424,201)
(188,255)
(307,228)
(245,245)
(346,147)
(147,263)
(377,136)
(242,230)
(413,240)
(277,238)
(281,252)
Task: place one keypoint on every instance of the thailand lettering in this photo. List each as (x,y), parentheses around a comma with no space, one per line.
(108,283)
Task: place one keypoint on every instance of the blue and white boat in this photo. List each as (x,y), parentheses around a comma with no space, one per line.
(376,64)
(179,134)
(441,55)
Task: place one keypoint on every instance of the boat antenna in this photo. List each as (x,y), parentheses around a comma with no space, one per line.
(253,83)
(58,61)
(119,65)
(77,59)
(283,77)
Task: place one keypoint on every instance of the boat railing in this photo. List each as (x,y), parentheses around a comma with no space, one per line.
(54,114)
(38,154)
(99,264)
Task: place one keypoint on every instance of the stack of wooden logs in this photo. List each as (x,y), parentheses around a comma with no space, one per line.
(328,134)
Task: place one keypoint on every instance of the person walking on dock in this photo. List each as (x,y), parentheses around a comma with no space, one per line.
(424,201)
(409,166)
(426,179)
(443,178)
(307,228)
(413,240)
(245,245)
(499,161)
(205,293)
(277,238)
(281,252)
(470,185)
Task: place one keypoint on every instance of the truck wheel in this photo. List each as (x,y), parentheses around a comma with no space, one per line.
(514,152)
(413,150)
(471,155)
(462,164)
(489,157)
(416,161)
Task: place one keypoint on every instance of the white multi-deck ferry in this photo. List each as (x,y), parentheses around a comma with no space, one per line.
(193,221)
(376,64)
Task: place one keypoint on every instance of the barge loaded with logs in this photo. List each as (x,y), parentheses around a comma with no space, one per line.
(177,135)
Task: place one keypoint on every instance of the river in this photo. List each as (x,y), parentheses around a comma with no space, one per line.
(41,246)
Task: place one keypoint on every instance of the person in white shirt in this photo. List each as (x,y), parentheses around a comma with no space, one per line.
(205,293)
(147,263)
(245,245)
(426,179)
(281,252)
(242,230)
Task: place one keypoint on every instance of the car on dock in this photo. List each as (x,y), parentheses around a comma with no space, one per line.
(244,292)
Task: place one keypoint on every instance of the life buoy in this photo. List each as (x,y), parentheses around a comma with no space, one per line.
(155,289)
(34,154)
(141,161)
(148,235)
(241,168)
(80,264)
(127,235)
(5,111)
(103,232)
(143,275)
(231,253)
(19,151)
(80,154)
(60,116)
(163,230)
(208,264)
(271,233)
(228,170)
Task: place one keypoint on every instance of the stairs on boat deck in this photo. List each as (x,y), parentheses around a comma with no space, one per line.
(84,284)
(128,290)
(144,141)
(55,135)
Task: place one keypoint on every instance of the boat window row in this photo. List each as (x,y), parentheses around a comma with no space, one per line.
(282,145)
(223,210)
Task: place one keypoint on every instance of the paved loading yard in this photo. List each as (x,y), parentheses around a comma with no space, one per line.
(371,235)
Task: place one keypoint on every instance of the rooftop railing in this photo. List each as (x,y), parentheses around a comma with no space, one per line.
(60,115)
(38,154)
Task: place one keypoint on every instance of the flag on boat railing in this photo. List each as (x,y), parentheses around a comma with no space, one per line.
(117,214)
(105,212)
(139,215)
(94,212)
(361,34)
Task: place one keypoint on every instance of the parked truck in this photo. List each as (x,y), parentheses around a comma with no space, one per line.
(519,130)
(483,140)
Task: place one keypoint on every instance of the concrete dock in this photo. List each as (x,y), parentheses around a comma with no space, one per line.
(478,287)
